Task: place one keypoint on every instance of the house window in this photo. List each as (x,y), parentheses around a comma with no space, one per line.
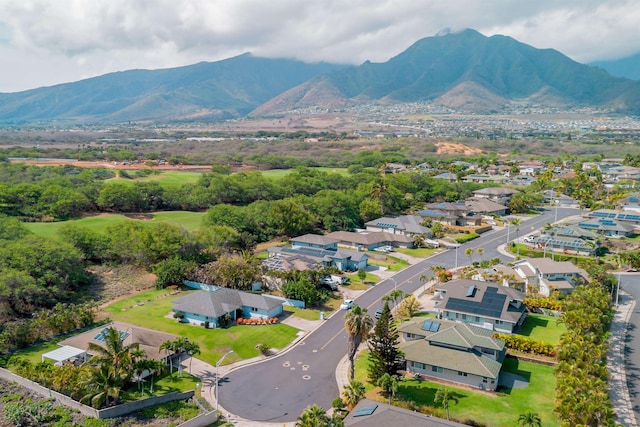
(437,369)
(499,322)
(476,319)
(462,374)
(484,380)
(254,309)
(417,365)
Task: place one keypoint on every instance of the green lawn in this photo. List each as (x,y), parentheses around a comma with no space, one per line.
(391,262)
(163,384)
(543,328)
(279,173)
(173,178)
(418,252)
(189,220)
(149,309)
(494,410)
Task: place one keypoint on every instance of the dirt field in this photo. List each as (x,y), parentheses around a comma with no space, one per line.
(456,148)
(115,165)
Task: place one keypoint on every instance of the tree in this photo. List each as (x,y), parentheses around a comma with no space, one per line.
(384,355)
(353,393)
(516,222)
(169,347)
(114,354)
(480,252)
(408,307)
(389,385)
(529,419)
(444,396)
(393,296)
(313,416)
(469,252)
(357,324)
(103,387)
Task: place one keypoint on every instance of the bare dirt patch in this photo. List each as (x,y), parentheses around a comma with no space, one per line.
(456,148)
(113,283)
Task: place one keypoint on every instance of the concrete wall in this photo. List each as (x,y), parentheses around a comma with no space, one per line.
(201,420)
(126,408)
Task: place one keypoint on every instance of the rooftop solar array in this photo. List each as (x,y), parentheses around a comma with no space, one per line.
(367,410)
(490,306)
(430,326)
(565,243)
(386,224)
(103,334)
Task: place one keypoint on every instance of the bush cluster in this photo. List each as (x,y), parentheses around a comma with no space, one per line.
(539,302)
(526,344)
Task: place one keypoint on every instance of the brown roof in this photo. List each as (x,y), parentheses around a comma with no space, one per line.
(148,339)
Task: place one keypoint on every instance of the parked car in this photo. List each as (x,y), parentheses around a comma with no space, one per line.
(530,239)
(346,304)
(328,283)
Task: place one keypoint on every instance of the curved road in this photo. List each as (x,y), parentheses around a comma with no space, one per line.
(280,388)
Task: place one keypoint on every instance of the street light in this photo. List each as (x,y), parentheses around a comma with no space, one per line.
(457,256)
(218,378)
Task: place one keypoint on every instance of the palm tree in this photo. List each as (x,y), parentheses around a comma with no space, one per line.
(192,349)
(114,353)
(353,393)
(357,323)
(516,222)
(469,252)
(529,419)
(155,367)
(480,252)
(443,396)
(393,296)
(389,384)
(169,347)
(103,387)
(313,416)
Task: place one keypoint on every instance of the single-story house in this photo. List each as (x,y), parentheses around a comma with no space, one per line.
(522,180)
(369,240)
(314,241)
(342,259)
(548,276)
(607,227)
(483,177)
(210,306)
(450,213)
(368,413)
(447,176)
(562,244)
(452,351)
(551,196)
(484,304)
(485,206)
(148,340)
(409,225)
(572,231)
(501,195)
(630,217)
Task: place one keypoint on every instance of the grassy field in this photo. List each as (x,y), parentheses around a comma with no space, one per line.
(391,262)
(543,328)
(189,220)
(279,173)
(494,410)
(150,309)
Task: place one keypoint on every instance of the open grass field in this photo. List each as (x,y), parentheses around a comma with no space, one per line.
(164,178)
(152,309)
(418,252)
(494,410)
(543,328)
(189,220)
(279,173)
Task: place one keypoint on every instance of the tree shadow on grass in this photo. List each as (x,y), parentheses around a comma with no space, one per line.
(421,392)
(532,323)
(511,366)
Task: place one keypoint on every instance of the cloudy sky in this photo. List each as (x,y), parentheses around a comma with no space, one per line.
(45,42)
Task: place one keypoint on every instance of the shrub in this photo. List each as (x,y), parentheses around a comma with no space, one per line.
(526,345)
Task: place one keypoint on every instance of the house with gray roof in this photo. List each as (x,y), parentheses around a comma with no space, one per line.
(342,259)
(368,413)
(624,216)
(369,240)
(479,205)
(563,244)
(501,195)
(547,276)
(211,306)
(447,176)
(452,351)
(484,304)
(314,241)
(607,226)
(450,213)
(409,225)
(483,177)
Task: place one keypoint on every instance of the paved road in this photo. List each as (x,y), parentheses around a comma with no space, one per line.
(280,388)
(631,284)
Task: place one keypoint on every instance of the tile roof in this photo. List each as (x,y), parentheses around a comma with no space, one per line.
(386,415)
(315,239)
(454,333)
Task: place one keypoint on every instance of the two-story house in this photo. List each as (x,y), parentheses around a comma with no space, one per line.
(546,276)
(501,195)
(452,351)
(484,304)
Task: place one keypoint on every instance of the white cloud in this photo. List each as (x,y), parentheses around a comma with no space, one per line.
(64,40)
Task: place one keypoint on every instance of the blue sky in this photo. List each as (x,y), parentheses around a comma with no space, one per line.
(45,42)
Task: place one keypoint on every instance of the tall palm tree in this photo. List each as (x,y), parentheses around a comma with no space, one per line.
(155,367)
(516,222)
(389,384)
(469,252)
(353,393)
(529,419)
(169,347)
(103,387)
(480,252)
(114,353)
(357,323)
(444,396)
(313,416)
(192,349)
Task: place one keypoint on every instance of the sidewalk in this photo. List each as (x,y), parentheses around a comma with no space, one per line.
(618,390)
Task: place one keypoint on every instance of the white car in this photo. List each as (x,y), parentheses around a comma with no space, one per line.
(346,304)
(530,239)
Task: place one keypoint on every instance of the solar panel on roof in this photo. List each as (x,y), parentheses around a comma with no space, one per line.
(103,334)
(426,325)
(435,326)
(367,410)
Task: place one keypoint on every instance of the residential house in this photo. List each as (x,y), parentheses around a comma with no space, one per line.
(572,231)
(148,340)
(481,206)
(547,276)
(522,180)
(368,413)
(314,241)
(450,214)
(409,225)
(531,168)
(565,244)
(501,195)
(211,306)
(368,241)
(480,178)
(447,176)
(629,217)
(344,260)
(452,351)
(630,203)
(484,304)
(556,198)
(607,227)
(501,274)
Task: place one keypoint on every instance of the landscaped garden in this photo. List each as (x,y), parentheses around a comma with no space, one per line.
(152,309)
(499,409)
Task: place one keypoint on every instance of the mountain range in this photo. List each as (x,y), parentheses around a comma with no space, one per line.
(466,71)
(628,67)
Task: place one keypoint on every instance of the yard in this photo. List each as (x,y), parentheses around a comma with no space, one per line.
(543,328)
(494,410)
(152,310)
